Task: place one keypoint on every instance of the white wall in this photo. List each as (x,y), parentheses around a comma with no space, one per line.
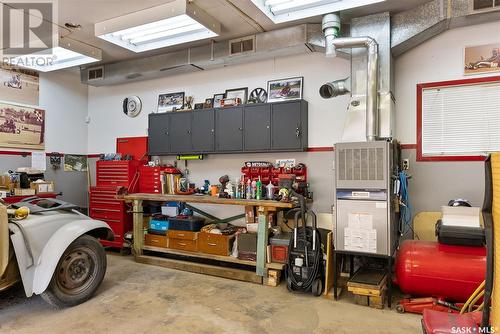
(326,117)
(438,59)
(65,101)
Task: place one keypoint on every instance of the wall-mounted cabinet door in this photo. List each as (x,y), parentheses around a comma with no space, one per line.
(229,129)
(158,134)
(289,126)
(180,132)
(257,124)
(203,131)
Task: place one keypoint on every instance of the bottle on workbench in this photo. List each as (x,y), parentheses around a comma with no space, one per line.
(258,189)
(254,189)
(249,189)
(241,185)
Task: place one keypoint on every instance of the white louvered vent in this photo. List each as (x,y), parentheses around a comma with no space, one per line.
(95,73)
(242,45)
(461,120)
(361,164)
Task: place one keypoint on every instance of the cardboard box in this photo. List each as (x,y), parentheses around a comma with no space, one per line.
(43,187)
(24,192)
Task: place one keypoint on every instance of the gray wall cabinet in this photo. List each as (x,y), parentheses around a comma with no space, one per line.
(264,127)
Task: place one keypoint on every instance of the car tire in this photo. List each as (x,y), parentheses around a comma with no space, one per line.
(78,274)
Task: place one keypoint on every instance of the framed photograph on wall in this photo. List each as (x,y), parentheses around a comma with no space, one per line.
(22,127)
(241,93)
(482,59)
(285,89)
(208,103)
(170,102)
(217,99)
(199,106)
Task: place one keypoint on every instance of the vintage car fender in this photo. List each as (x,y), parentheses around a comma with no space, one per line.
(39,242)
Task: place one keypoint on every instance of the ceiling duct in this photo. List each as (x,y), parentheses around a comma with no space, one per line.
(300,39)
(413,27)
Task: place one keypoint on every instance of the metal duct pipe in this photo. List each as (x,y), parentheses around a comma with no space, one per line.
(372,77)
(334,88)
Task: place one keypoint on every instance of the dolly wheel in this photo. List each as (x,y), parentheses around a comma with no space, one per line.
(317,287)
(400,309)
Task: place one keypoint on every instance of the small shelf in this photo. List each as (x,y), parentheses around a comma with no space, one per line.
(229,259)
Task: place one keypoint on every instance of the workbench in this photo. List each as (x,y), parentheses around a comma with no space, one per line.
(191,260)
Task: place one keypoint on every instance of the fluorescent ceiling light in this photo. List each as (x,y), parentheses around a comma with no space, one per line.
(69,53)
(280,11)
(176,22)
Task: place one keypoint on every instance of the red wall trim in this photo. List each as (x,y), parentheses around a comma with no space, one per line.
(321,149)
(420,88)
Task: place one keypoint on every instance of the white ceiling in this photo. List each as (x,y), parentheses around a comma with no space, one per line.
(237,17)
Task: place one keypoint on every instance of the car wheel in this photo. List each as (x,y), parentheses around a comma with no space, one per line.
(78,274)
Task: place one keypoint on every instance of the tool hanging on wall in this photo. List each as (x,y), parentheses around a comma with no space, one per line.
(55,160)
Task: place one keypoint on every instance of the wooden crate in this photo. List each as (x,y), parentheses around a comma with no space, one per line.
(372,295)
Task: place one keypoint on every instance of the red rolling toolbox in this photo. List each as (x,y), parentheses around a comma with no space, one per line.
(104,206)
(117,173)
(136,147)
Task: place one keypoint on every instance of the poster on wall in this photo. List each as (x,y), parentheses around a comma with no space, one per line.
(19,86)
(22,127)
(75,163)
(482,59)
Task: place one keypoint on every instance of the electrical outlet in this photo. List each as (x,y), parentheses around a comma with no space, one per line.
(406,164)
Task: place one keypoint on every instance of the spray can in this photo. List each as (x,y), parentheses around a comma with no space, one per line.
(241,185)
(270,191)
(249,189)
(254,188)
(237,193)
(258,189)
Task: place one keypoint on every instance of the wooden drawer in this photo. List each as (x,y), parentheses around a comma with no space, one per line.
(183,235)
(215,243)
(156,240)
(185,245)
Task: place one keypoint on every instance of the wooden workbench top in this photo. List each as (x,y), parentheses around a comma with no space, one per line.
(207,200)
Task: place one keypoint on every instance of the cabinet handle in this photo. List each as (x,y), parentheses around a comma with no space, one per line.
(213,130)
(182,244)
(166,133)
(212,244)
(189,131)
(267,127)
(297,132)
(241,129)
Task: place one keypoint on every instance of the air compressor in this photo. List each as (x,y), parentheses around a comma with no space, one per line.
(432,269)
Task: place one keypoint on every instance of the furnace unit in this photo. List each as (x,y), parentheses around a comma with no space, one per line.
(365,220)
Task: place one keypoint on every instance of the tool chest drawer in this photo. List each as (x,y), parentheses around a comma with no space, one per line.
(101,213)
(186,245)
(217,244)
(115,173)
(182,235)
(105,198)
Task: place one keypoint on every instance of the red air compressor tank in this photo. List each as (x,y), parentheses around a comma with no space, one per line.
(430,269)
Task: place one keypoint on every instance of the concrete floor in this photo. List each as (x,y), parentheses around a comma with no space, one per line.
(136,298)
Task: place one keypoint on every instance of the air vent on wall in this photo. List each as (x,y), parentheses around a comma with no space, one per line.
(96,73)
(242,45)
(478,6)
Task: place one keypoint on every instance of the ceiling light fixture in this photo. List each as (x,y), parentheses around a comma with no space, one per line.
(176,22)
(68,53)
(280,11)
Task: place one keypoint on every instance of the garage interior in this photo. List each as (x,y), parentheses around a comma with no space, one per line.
(244,166)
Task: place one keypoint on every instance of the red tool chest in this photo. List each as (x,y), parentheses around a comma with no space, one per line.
(136,147)
(117,173)
(150,179)
(104,206)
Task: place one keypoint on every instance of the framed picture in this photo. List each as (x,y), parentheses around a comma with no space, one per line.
(209,103)
(482,59)
(217,99)
(285,89)
(171,101)
(22,127)
(199,106)
(241,93)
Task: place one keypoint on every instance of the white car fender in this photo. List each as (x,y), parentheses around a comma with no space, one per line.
(36,276)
